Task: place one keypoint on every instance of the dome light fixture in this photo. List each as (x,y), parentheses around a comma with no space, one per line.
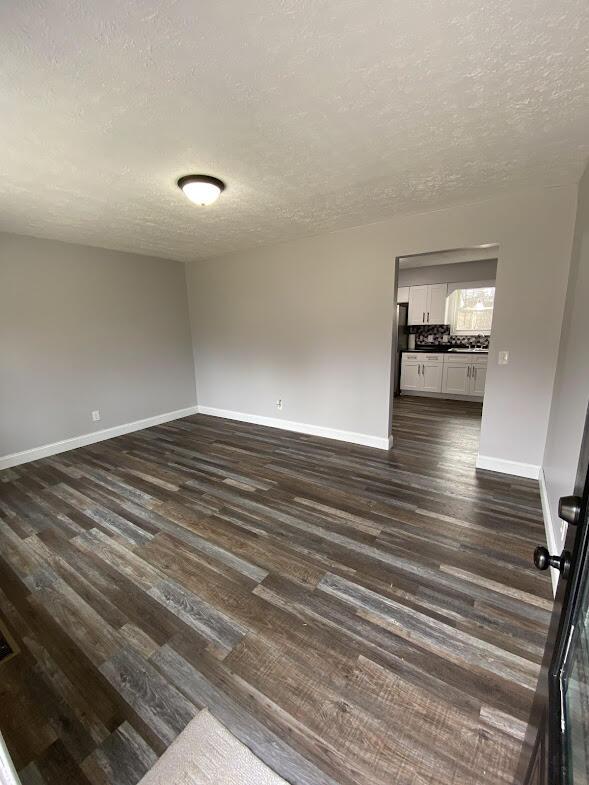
(201,188)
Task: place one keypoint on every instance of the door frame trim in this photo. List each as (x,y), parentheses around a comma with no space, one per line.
(549,527)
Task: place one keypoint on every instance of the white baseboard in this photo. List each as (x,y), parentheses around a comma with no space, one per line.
(17,458)
(442,396)
(43,451)
(381,443)
(549,527)
(529,470)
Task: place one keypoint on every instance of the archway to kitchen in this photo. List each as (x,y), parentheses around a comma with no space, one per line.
(443,311)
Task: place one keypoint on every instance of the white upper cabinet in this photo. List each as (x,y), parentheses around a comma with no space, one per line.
(403,294)
(436,303)
(427,304)
(417,304)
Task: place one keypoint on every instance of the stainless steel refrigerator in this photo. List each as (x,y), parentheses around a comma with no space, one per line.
(402,338)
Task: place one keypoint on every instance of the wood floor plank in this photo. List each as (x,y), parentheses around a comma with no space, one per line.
(227,707)
(124,757)
(212,624)
(158,703)
(354,616)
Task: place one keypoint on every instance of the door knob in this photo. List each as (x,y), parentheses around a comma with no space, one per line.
(543,560)
(569,509)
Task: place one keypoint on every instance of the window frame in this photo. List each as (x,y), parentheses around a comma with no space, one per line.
(451,312)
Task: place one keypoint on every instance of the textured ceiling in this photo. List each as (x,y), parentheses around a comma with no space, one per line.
(317,113)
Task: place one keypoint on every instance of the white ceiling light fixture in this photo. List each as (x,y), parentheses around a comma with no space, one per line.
(201,188)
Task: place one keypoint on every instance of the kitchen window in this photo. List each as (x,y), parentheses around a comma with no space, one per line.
(470,309)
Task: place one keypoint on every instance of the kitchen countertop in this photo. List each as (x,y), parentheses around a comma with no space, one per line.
(443,350)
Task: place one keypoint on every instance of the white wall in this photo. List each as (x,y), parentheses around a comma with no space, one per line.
(82,329)
(298,322)
(571,386)
(310,321)
(459,272)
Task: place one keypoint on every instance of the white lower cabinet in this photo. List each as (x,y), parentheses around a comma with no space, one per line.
(456,379)
(447,374)
(465,374)
(479,379)
(421,372)
(410,375)
(432,376)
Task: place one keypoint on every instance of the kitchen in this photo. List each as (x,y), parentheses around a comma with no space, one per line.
(444,317)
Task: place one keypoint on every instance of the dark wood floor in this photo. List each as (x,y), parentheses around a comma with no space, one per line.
(353,616)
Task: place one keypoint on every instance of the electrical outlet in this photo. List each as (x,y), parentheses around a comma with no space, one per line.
(279,403)
(503,358)
(96,415)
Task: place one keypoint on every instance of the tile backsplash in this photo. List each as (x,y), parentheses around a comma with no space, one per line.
(433,335)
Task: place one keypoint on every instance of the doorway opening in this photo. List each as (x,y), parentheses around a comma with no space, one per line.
(444,302)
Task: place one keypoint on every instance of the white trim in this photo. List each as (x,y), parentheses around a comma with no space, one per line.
(8,775)
(43,451)
(16,458)
(529,470)
(549,527)
(443,396)
(365,439)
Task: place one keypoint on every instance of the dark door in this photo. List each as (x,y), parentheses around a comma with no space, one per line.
(556,751)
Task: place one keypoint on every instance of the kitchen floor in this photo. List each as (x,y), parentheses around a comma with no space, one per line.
(353,616)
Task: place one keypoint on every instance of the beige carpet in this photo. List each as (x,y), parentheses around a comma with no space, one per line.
(205,753)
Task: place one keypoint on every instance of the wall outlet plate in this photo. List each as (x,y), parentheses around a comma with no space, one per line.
(503,357)
(279,403)
(96,415)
